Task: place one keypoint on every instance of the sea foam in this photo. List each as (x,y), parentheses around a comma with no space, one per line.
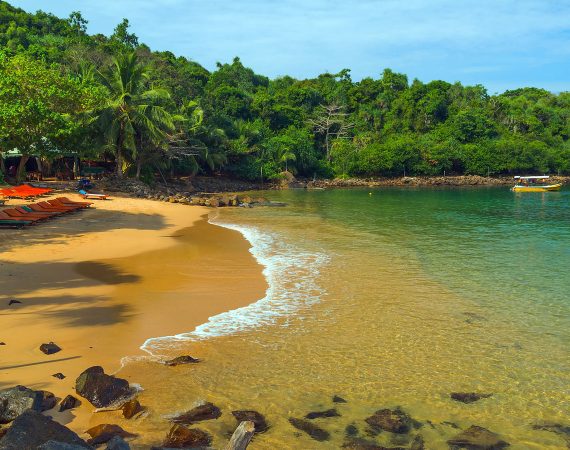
(291,274)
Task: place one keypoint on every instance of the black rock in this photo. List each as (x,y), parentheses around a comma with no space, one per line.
(14,401)
(468,397)
(181,360)
(11,302)
(69,402)
(321,414)
(207,411)
(252,416)
(55,445)
(310,428)
(131,408)
(337,399)
(118,443)
(59,376)
(477,438)
(50,348)
(31,429)
(100,389)
(48,400)
(351,430)
(395,421)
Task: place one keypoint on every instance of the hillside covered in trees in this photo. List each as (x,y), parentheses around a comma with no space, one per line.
(63,90)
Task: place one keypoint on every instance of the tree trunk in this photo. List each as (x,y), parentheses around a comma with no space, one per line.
(139,165)
(21,167)
(241,437)
(119,163)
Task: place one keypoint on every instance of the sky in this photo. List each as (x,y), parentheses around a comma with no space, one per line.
(501,44)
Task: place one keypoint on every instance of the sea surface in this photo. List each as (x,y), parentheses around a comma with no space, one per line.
(392,298)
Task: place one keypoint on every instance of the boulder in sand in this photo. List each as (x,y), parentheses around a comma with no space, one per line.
(50,348)
(32,429)
(48,400)
(14,401)
(105,432)
(468,397)
(131,408)
(394,421)
(69,402)
(100,389)
(207,411)
(180,436)
(251,416)
(477,438)
(317,433)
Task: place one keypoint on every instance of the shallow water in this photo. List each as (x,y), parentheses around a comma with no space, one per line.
(392,297)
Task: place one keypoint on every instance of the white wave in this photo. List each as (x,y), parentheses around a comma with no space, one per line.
(291,274)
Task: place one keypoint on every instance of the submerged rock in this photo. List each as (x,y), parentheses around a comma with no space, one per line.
(59,376)
(100,389)
(180,436)
(351,430)
(118,443)
(553,427)
(131,408)
(207,411)
(50,348)
(310,428)
(105,432)
(31,429)
(15,401)
(477,438)
(55,445)
(363,444)
(69,402)
(337,399)
(321,414)
(468,397)
(418,443)
(181,360)
(394,421)
(251,416)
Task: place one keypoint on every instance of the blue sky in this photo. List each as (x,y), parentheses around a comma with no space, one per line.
(502,44)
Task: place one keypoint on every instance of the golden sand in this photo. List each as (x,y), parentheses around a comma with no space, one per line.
(100,282)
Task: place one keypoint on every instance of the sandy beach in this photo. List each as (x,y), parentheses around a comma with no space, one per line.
(100,282)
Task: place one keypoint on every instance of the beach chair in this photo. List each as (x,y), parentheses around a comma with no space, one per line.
(34,217)
(27,210)
(14,223)
(6,217)
(39,208)
(92,196)
(61,204)
(72,202)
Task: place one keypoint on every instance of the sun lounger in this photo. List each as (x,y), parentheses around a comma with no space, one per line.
(67,200)
(91,195)
(14,223)
(12,212)
(59,204)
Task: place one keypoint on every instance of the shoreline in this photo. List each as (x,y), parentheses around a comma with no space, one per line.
(88,283)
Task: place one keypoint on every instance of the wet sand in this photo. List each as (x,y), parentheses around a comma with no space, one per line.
(100,282)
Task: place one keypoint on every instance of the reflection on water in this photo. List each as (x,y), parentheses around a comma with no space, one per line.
(421,293)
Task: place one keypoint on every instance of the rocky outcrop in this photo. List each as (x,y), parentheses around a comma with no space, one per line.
(207,411)
(31,429)
(181,360)
(180,436)
(468,397)
(102,390)
(394,421)
(69,402)
(477,438)
(321,414)
(50,348)
(317,433)
(251,416)
(15,401)
(103,433)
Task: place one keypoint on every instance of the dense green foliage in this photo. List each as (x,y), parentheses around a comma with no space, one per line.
(113,97)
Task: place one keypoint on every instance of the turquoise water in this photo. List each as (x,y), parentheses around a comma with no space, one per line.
(393,298)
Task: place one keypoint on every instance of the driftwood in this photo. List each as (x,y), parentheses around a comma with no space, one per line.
(242,436)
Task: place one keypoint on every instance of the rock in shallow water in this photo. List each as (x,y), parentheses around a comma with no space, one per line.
(310,428)
(394,421)
(477,438)
(69,402)
(131,408)
(207,411)
(251,416)
(337,399)
(31,429)
(14,401)
(50,348)
(105,432)
(100,389)
(322,414)
(181,360)
(48,400)
(180,436)
(468,397)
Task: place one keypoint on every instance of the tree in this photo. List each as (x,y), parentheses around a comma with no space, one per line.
(331,122)
(122,36)
(132,112)
(78,23)
(40,108)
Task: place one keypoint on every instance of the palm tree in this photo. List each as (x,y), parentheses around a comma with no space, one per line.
(284,155)
(132,112)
